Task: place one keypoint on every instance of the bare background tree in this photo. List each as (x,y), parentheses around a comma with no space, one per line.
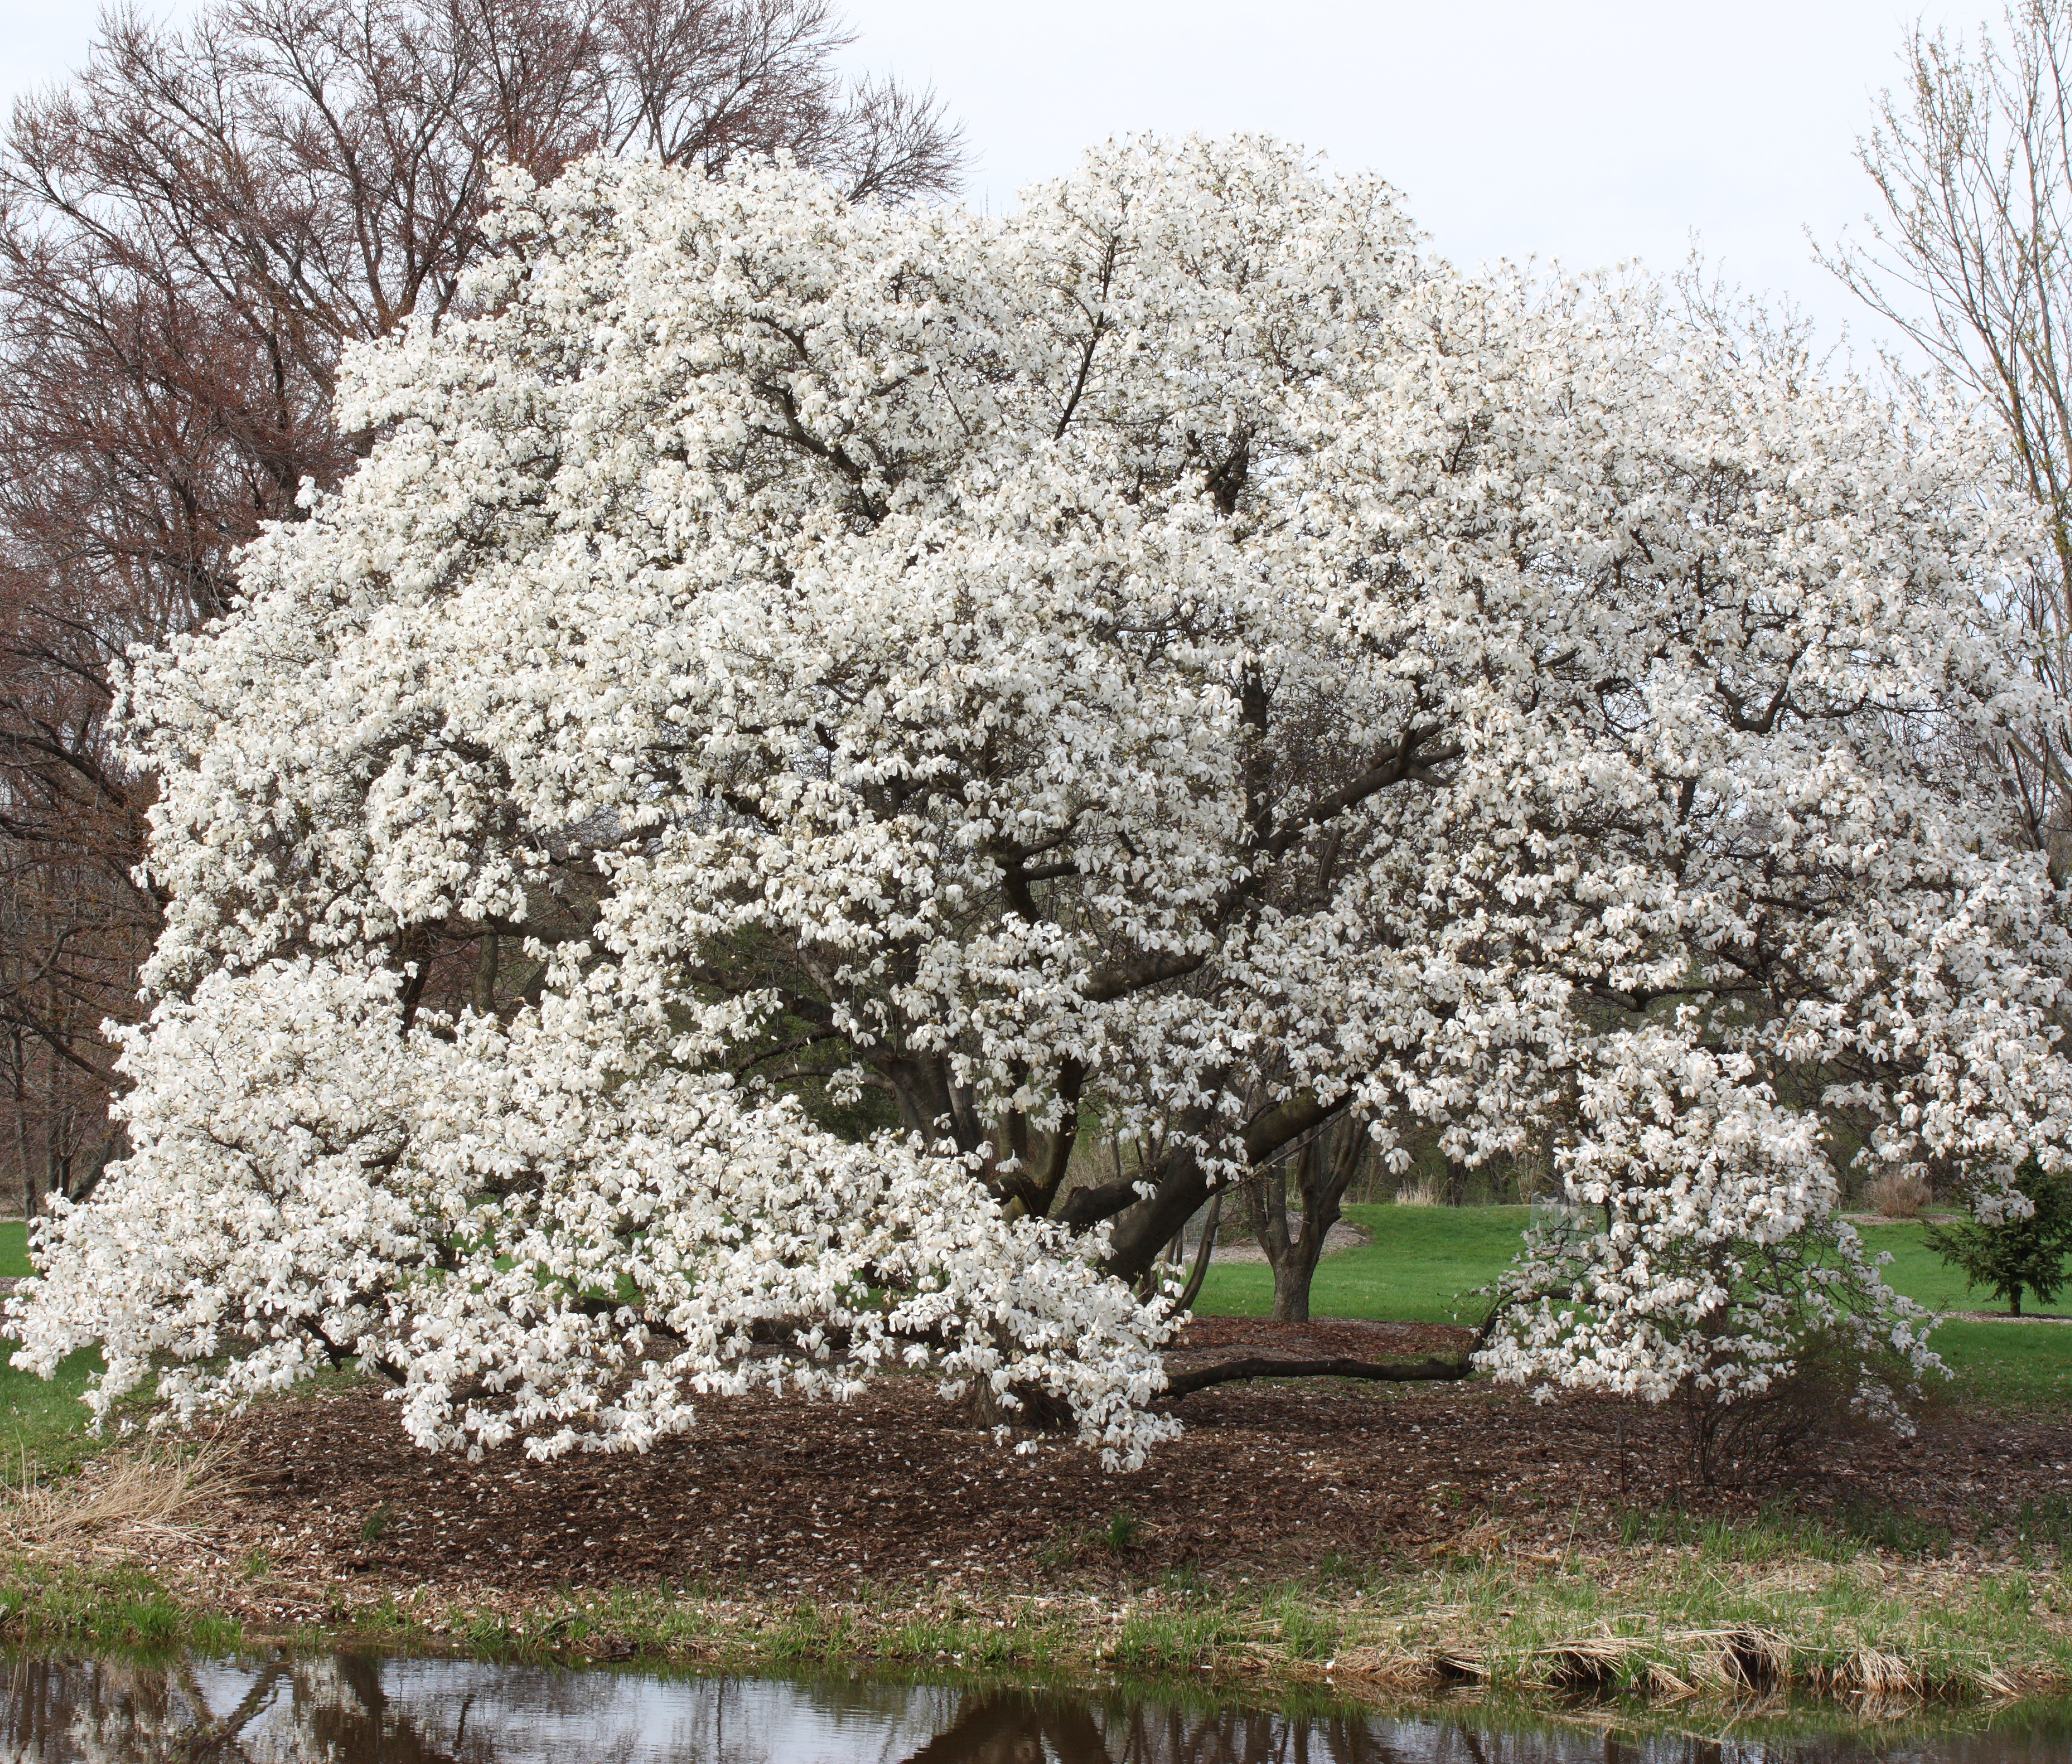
(1321,1166)
(190,232)
(1971,259)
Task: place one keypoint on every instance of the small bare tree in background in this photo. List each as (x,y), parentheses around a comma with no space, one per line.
(190,233)
(1318,1174)
(1971,259)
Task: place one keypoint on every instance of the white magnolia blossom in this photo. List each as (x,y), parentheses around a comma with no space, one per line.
(1171,651)
(1706,1256)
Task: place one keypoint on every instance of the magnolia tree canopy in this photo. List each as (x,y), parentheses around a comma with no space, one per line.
(1173,656)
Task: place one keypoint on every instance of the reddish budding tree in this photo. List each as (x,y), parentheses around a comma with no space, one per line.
(190,232)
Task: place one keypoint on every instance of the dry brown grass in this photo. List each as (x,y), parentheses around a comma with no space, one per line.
(1738,1662)
(1485,1539)
(147,1491)
(1897,1196)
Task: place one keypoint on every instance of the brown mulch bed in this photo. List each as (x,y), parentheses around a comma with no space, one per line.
(782,1496)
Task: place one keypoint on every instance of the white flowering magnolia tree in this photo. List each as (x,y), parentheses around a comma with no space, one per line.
(1171,657)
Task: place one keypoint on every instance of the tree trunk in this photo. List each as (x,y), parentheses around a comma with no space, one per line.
(22,1125)
(2014,1302)
(1291,1284)
(53,1131)
(485,976)
(1202,1256)
(1324,1169)
(1141,1226)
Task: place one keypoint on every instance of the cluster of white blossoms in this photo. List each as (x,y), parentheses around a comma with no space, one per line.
(535,1244)
(1706,1256)
(1171,652)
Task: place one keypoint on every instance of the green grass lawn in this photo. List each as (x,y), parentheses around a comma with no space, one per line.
(1423,1265)
(2019,1366)
(1922,1275)
(41,1423)
(2010,1365)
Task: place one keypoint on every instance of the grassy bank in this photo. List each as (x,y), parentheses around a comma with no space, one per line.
(1754,1609)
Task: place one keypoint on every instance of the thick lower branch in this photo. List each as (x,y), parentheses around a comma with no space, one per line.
(1231,1371)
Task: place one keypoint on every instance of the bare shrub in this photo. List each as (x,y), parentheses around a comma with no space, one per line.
(1532,1167)
(1424,1191)
(1749,1441)
(1894,1195)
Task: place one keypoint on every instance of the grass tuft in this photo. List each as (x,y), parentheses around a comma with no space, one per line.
(147,1491)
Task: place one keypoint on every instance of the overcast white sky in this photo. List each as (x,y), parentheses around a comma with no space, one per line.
(1587,130)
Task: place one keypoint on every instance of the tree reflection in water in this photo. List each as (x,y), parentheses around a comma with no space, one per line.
(357,1708)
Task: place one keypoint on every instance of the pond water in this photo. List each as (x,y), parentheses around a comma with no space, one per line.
(359,1708)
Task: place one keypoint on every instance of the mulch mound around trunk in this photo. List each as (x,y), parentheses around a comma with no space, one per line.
(779,1496)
